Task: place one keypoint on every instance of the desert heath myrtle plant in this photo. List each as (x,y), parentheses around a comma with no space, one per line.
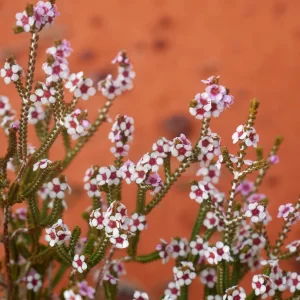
(229,237)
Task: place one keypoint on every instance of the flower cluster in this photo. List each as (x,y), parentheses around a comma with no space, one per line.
(109,87)
(34,18)
(212,102)
(76,124)
(121,133)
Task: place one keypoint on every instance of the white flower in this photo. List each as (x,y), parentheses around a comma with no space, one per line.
(121,241)
(137,222)
(109,88)
(162,147)
(57,188)
(140,296)
(199,192)
(73,81)
(256,212)
(209,277)
(85,89)
(42,164)
(198,246)
(11,72)
(35,114)
(151,161)
(96,219)
(33,282)
(235,293)
(92,188)
(24,21)
(239,134)
(181,148)
(285,210)
(70,295)
(79,263)
(184,274)
(263,286)
(172,292)
(57,234)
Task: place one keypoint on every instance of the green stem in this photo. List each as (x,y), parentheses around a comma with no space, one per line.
(199,221)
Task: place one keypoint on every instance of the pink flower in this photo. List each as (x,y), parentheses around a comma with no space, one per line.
(256,198)
(155,181)
(285,210)
(184,274)
(60,51)
(256,212)
(216,92)
(118,267)
(57,234)
(11,71)
(21,213)
(44,14)
(245,188)
(273,159)
(79,263)
(209,277)
(211,80)
(85,290)
(181,148)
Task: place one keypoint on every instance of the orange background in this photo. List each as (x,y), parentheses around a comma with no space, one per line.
(253,45)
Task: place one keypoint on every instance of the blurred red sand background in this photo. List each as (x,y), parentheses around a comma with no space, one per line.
(254,47)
